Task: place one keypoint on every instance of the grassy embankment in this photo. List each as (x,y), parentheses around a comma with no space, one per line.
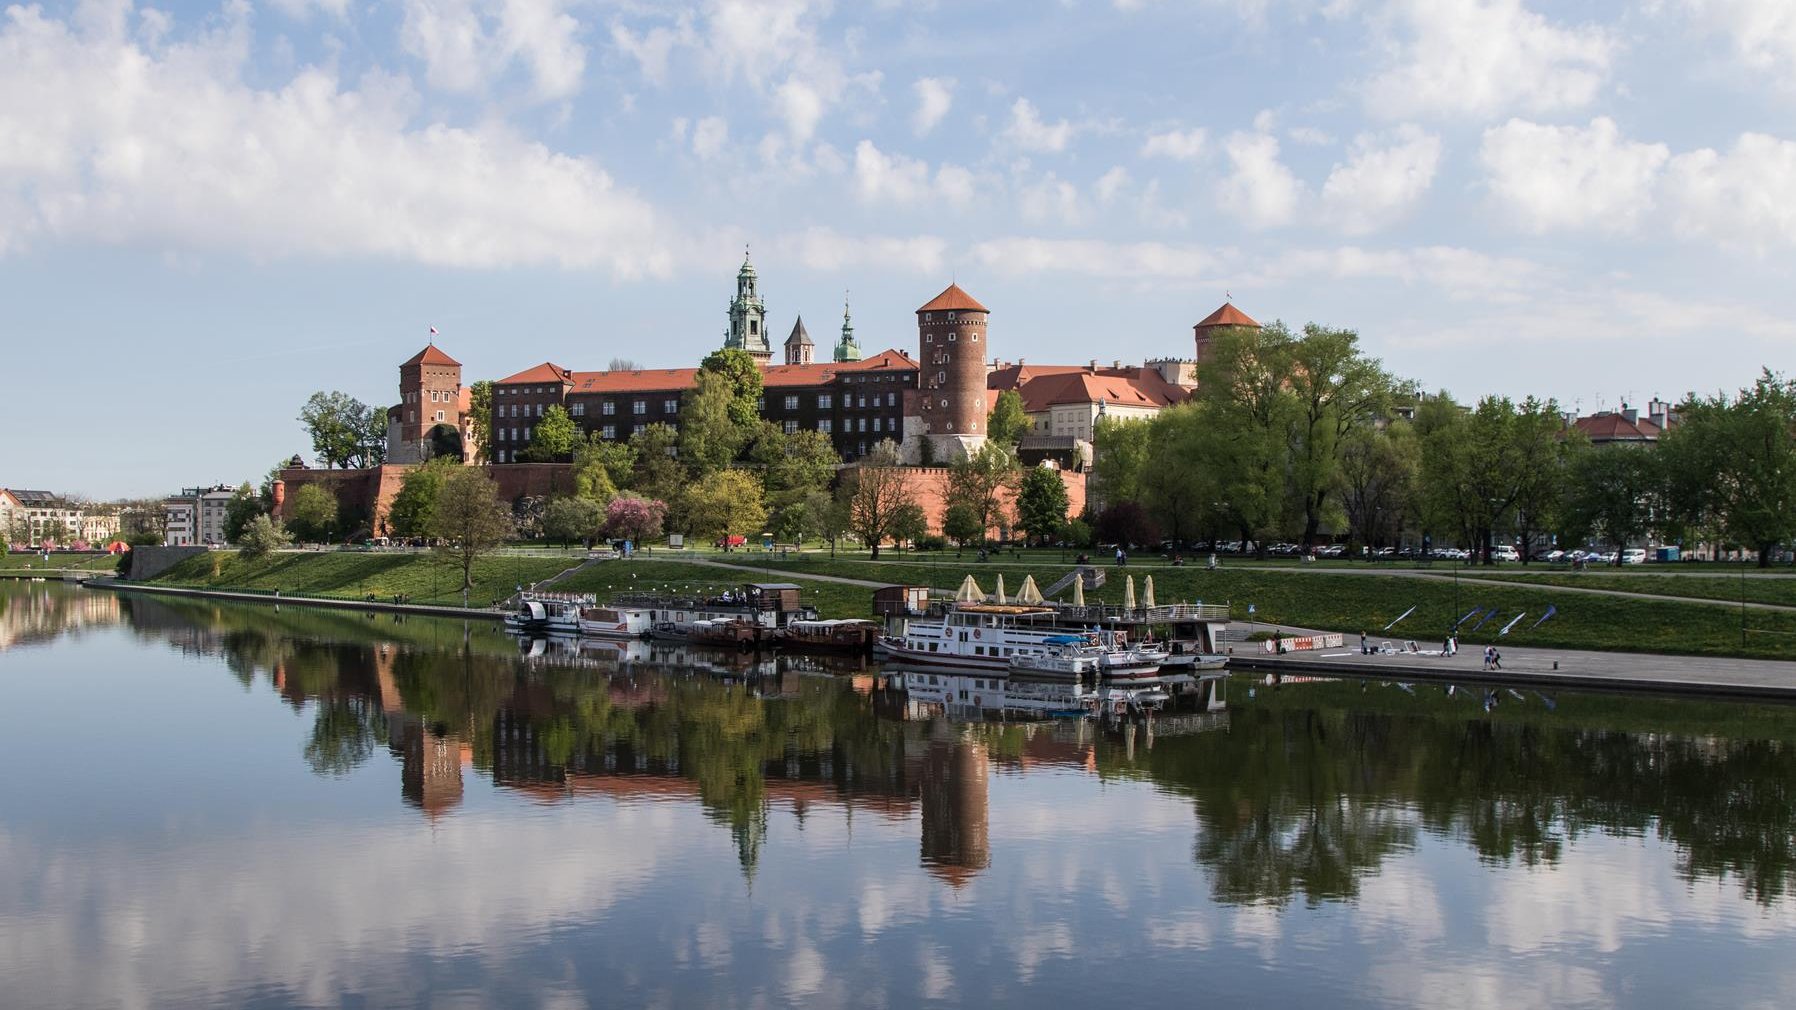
(1317,598)
(34,564)
(1781,590)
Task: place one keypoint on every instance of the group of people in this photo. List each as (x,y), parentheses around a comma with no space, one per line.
(1493,660)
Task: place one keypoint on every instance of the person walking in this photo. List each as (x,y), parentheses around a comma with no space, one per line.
(1364,648)
(1496,659)
(1489,652)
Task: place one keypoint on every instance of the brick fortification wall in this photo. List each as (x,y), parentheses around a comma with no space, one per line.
(149,562)
(929,487)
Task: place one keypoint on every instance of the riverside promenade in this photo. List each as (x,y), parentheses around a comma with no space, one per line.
(1763,679)
(336,603)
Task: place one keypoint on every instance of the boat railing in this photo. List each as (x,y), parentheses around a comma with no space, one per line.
(1105,613)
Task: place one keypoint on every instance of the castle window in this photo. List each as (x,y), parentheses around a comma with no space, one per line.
(579,410)
(951,337)
(670,406)
(876,424)
(891,399)
(974,337)
(439,415)
(639,407)
(791,426)
(608,432)
(609,408)
(824,402)
(754,327)
(826,425)
(791,403)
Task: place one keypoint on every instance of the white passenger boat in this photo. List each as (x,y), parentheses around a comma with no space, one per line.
(979,636)
(548,613)
(615,622)
(1137,662)
(1068,657)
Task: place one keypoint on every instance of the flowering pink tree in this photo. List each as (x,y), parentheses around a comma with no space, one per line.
(636,519)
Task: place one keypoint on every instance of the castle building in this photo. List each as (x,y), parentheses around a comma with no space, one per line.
(433,416)
(846,348)
(748,317)
(1222,320)
(951,331)
(799,348)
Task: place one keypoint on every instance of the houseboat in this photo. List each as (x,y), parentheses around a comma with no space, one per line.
(615,622)
(765,607)
(830,636)
(548,613)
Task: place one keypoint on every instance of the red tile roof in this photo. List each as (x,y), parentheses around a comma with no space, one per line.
(1228,315)
(1612,427)
(431,355)
(548,371)
(954,298)
(1042,386)
(650,380)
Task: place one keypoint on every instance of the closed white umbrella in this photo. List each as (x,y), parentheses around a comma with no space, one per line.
(1030,593)
(1079,591)
(1001,598)
(969,591)
(1147,593)
(1129,594)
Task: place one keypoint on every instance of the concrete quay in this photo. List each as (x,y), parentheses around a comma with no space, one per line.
(1685,676)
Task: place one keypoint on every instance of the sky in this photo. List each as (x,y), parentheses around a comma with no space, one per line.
(210,210)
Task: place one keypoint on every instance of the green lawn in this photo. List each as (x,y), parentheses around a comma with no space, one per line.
(34,564)
(1696,587)
(353,575)
(1316,599)
(832,599)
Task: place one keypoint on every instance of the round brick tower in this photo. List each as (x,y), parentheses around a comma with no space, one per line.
(951,340)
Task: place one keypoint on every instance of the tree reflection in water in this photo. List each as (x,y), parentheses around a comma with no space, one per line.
(1306,792)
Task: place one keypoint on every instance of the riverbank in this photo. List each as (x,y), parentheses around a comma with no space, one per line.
(336,603)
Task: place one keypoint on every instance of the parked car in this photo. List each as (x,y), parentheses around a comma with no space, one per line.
(1505,552)
(1634,556)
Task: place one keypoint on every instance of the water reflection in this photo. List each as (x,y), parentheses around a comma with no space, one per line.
(736,826)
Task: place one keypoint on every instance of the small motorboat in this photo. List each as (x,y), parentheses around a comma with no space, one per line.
(544,613)
(1068,657)
(1133,663)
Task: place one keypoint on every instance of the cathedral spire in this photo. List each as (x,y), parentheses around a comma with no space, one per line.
(846,348)
(748,315)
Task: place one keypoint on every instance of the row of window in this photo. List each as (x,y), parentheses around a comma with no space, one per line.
(500,433)
(436,396)
(827,401)
(524,390)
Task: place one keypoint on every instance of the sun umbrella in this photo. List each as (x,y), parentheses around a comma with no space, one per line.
(1129,594)
(1147,593)
(1030,593)
(1001,598)
(1079,591)
(969,592)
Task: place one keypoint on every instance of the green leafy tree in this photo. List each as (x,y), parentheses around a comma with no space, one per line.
(710,437)
(726,502)
(371,447)
(262,535)
(244,506)
(1041,503)
(602,468)
(1545,449)
(312,513)
(553,437)
(807,463)
(656,472)
(1245,418)
(1378,481)
(338,426)
(872,493)
(960,523)
(1611,496)
(1334,390)
(1119,450)
(1731,465)
(743,378)
(573,518)
(909,523)
(470,517)
(1473,470)
(1179,489)
(409,515)
(480,403)
(1007,423)
(980,481)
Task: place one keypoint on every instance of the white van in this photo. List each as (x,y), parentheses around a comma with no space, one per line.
(1634,556)
(1504,552)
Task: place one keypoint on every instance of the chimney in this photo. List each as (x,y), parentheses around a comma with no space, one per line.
(1094,364)
(1630,414)
(1117,365)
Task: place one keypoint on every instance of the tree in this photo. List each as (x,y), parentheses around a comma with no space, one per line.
(312,513)
(1119,455)
(1126,523)
(1731,464)
(1334,391)
(371,448)
(1007,423)
(623,365)
(710,437)
(602,467)
(410,513)
(657,470)
(1179,489)
(470,516)
(743,378)
(638,520)
(1472,469)
(553,437)
(480,404)
(1611,495)
(960,523)
(909,523)
(806,463)
(1545,448)
(1041,503)
(873,491)
(726,503)
(244,506)
(980,480)
(1244,421)
(261,535)
(1378,473)
(337,423)
(573,518)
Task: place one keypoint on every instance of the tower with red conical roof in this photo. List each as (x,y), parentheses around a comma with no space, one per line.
(951,334)
(1226,318)
(430,394)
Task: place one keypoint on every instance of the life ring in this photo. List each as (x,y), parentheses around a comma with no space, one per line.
(978,702)
(975,632)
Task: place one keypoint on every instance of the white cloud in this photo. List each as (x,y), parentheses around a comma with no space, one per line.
(1551,177)
(105,140)
(1029,132)
(1179,145)
(1111,184)
(1482,57)
(1051,200)
(893,178)
(301,9)
(709,135)
(1259,190)
(820,248)
(1763,32)
(800,105)
(1021,256)
(1310,136)
(935,96)
(1745,198)
(467,44)
(1381,180)
(652,49)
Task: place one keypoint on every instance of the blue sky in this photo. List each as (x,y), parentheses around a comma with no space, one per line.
(208,211)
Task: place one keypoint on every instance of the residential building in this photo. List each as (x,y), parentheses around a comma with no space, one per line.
(1626,426)
(33,517)
(196,516)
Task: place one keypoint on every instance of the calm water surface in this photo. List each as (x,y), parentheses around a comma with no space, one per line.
(209,805)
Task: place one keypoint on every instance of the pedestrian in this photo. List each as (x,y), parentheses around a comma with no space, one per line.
(1489,651)
(1447,645)
(1496,659)
(1364,649)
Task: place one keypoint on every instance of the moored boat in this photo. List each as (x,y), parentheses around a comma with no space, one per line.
(548,613)
(615,622)
(846,635)
(1067,657)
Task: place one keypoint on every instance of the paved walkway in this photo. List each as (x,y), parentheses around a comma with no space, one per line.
(782,573)
(1754,678)
(422,609)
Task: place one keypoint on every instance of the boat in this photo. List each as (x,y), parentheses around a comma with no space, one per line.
(733,632)
(1194,662)
(548,613)
(835,635)
(978,635)
(1136,662)
(615,622)
(769,606)
(1069,657)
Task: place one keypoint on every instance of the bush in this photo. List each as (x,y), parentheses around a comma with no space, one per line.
(933,542)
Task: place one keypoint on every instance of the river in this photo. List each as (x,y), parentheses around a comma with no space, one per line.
(221,805)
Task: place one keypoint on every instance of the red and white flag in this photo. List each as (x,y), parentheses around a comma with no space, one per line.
(433,331)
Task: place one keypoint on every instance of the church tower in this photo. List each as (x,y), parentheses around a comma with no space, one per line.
(799,348)
(846,348)
(748,317)
(951,339)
